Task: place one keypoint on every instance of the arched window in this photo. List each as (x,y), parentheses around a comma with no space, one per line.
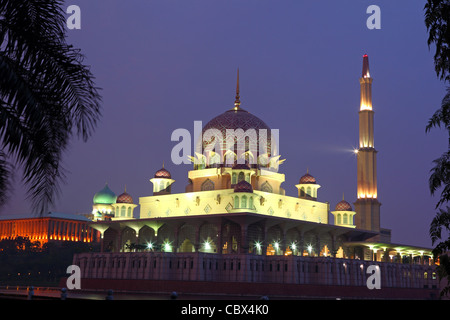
(122,211)
(250,203)
(302,191)
(345,218)
(308,191)
(339,218)
(266,187)
(161,186)
(129,212)
(236,202)
(244,202)
(207,185)
(233,178)
(241,176)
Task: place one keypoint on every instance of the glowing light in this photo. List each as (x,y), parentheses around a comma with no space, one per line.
(365,107)
(207,245)
(149,245)
(293,246)
(276,245)
(309,248)
(167,246)
(355,151)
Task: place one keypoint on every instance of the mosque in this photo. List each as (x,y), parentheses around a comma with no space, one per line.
(235,224)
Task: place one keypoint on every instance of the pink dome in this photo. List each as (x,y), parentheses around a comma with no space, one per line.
(343,206)
(307,178)
(124,198)
(163,173)
(243,186)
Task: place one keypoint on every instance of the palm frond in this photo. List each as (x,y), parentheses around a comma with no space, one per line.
(46,93)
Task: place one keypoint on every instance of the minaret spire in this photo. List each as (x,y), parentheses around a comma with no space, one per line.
(366,85)
(367,205)
(237,102)
(365,70)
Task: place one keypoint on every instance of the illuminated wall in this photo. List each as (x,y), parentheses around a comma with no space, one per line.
(47,229)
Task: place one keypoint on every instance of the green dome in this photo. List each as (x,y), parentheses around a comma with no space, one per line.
(105,196)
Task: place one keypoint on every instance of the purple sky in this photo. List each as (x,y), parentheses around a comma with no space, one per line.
(165,64)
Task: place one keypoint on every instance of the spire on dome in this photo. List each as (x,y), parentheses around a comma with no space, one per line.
(365,69)
(237,102)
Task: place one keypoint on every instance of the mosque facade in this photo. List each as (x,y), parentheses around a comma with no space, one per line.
(235,224)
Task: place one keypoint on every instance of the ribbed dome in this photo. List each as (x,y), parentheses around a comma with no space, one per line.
(243,186)
(124,198)
(343,206)
(163,173)
(105,196)
(234,119)
(307,178)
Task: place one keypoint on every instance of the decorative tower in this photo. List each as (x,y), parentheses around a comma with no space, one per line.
(162,182)
(367,206)
(343,214)
(102,208)
(124,207)
(307,187)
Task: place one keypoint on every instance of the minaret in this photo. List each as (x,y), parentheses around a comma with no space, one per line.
(367,206)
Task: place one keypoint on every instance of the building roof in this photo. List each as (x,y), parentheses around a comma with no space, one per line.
(55,215)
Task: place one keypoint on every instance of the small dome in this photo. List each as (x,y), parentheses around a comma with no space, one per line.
(243,186)
(124,198)
(343,206)
(163,173)
(105,196)
(307,178)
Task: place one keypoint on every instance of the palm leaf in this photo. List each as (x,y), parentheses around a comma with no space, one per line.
(46,94)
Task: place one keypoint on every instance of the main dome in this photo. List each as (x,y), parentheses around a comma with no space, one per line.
(249,133)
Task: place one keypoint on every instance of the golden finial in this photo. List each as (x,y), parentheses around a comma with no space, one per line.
(343,196)
(237,102)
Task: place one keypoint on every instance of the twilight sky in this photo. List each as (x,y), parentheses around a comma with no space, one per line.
(165,64)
